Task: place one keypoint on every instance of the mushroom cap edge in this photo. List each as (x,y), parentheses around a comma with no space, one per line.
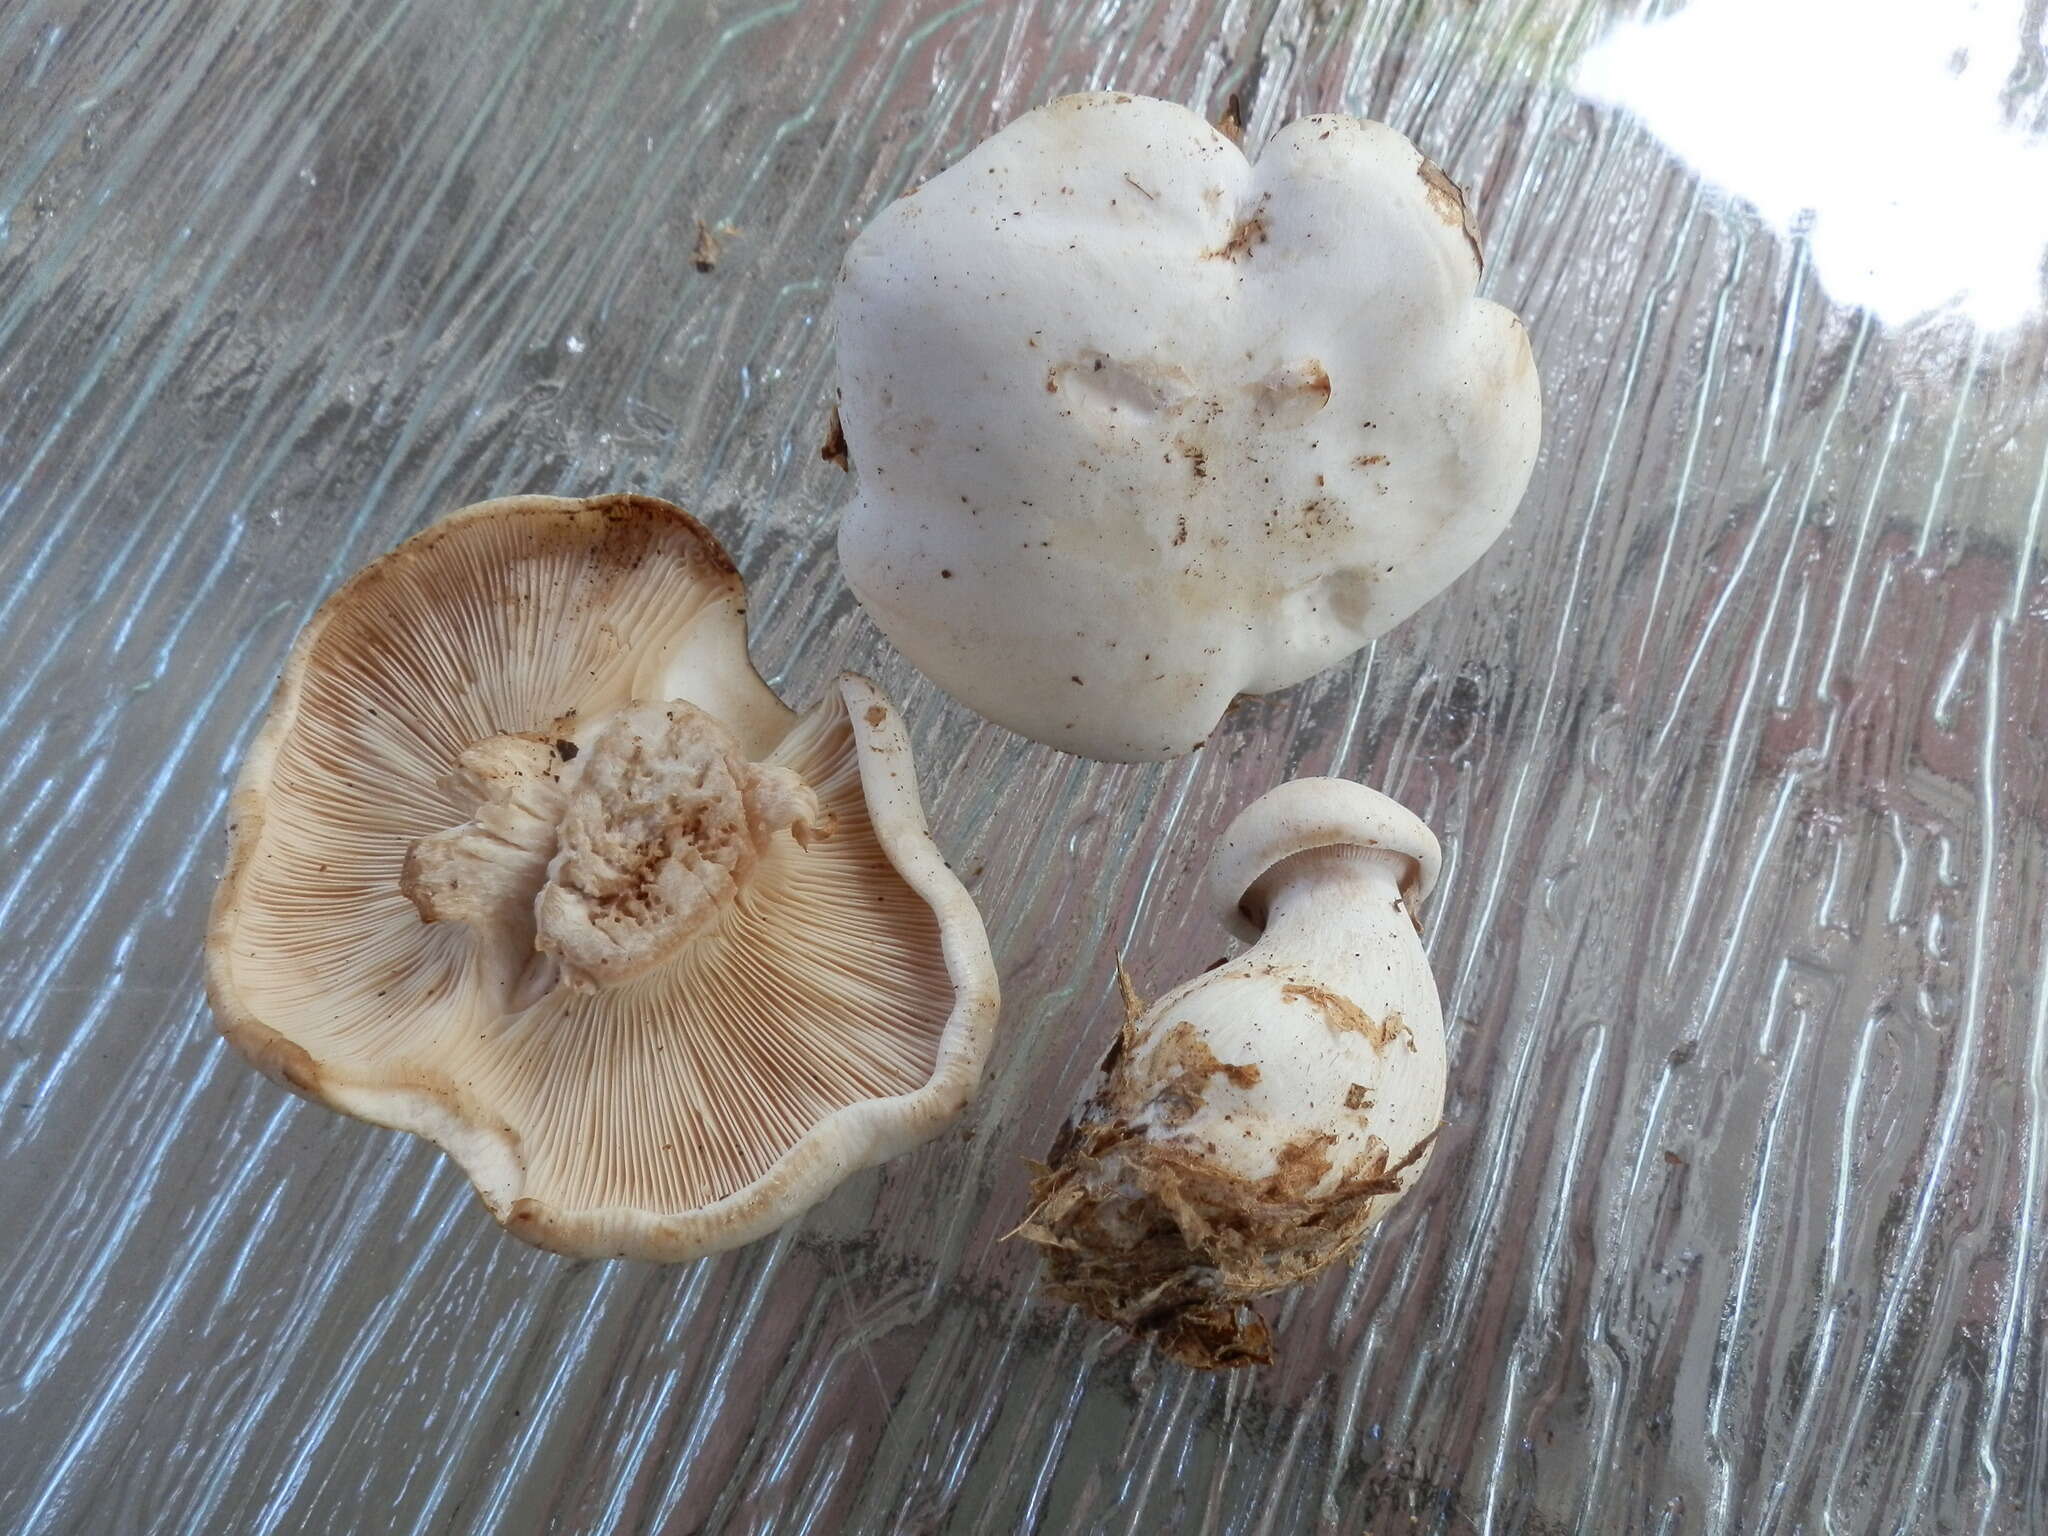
(1305,814)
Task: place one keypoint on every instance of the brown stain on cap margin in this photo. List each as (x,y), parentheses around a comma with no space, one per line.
(1449,202)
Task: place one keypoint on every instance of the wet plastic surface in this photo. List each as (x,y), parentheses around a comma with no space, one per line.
(1735,744)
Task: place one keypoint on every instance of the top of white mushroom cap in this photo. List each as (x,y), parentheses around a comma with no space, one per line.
(529,861)
(1140,424)
(1301,816)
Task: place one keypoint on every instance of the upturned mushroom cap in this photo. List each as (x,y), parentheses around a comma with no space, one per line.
(1140,424)
(529,861)
(1306,814)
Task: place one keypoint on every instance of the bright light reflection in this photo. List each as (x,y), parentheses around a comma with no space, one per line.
(1875,124)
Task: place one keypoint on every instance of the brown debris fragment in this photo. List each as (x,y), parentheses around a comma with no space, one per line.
(1217,1338)
(1134,1005)
(710,245)
(1301,1166)
(833,451)
(1244,235)
(1231,123)
(1134,1009)
(1187,1057)
(1343,1015)
(1168,1243)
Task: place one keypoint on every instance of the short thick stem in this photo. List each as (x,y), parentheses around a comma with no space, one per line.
(605,861)
(666,822)
(1319,904)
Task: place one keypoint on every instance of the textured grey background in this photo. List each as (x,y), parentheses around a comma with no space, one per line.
(1738,745)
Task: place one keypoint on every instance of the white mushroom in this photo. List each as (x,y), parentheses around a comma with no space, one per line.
(1255,1121)
(529,861)
(1140,424)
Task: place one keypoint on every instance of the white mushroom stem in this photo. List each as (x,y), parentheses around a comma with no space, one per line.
(593,864)
(1257,1120)
(665,824)
(1335,1003)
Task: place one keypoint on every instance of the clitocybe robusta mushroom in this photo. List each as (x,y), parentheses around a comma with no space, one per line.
(1139,424)
(1254,1122)
(528,860)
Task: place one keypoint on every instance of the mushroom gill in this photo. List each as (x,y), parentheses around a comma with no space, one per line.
(528,860)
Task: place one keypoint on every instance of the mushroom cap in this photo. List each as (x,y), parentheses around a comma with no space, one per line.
(837,1013)
(1139,424)
(1305,814)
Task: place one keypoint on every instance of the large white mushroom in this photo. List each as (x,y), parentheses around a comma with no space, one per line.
(529,861)
(1140,424)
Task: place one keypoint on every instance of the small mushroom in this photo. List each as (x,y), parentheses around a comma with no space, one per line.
(529,861)
(1254,1122)
(1140,423)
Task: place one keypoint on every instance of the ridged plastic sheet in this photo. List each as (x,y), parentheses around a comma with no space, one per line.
(1737,744)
